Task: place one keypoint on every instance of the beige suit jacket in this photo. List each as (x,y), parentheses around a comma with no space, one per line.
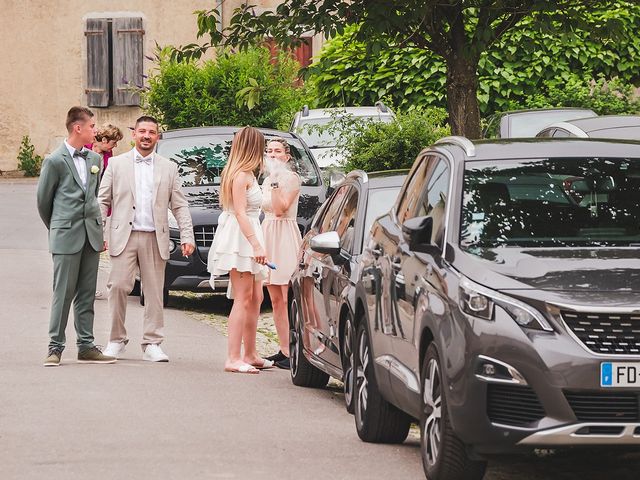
(118,192)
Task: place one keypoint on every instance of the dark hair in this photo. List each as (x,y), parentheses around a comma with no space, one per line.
(146,118)
(77,114)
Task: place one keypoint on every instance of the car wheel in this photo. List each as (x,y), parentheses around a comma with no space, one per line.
(348,358)
(165,297)
(444,456)
(303,374)
(376,419)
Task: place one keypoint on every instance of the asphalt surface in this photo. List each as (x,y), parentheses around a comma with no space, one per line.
(186,418)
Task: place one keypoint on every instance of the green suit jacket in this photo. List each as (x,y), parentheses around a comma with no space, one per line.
(69,212)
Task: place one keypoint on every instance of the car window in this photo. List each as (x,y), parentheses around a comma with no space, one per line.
(560,133)
(328,219)
(379,202)
(201,158)
(347,220)
(433,201)
(411,190)
(577,201)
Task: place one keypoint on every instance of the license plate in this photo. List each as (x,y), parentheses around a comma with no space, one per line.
(620,374)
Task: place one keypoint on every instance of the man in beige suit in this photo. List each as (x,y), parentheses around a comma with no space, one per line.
(139,187)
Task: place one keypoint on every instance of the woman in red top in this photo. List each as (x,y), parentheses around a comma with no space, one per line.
(107,138)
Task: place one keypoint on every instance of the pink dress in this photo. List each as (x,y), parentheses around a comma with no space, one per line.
(281,234)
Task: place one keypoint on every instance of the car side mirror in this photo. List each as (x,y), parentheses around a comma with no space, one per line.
(417,233)
(328,242)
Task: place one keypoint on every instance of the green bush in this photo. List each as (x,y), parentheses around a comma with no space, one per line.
(524,64)
(28,161)
(244,88)
(386,146)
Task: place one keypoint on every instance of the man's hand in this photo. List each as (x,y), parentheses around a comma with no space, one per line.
(105,246)
(187,249)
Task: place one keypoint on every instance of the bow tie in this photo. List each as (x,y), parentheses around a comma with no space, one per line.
(81,153)
(141,159)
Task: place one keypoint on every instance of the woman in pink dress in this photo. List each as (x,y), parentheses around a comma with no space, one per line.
(280,194)
(107,138)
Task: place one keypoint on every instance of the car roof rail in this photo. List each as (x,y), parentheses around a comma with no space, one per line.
(463,142)
(381,106)
(359,173)
(305,111)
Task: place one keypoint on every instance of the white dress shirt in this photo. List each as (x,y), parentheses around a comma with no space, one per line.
(80,163)
(143,172)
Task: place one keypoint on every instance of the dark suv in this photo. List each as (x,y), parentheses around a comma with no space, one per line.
(500,303)
(201,154)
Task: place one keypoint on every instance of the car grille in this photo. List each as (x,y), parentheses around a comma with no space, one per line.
(515,405)
(204,235)
(604,406)
(614,334)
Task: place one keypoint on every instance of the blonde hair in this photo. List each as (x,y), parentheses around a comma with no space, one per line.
(246,155)
(109,132)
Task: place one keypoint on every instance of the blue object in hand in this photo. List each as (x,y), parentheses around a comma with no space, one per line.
(272,266)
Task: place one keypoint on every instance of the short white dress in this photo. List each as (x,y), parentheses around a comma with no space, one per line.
(231,249)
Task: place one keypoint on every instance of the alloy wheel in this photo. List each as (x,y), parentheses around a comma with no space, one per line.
(348,361)
(361,383)
(432,400)
(296,338)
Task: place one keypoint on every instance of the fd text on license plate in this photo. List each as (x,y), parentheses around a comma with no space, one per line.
(620,374)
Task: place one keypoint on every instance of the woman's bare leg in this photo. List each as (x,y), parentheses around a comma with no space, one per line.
(278,295)
(242,283)
(251,325)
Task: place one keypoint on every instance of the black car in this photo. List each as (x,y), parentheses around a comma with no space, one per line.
(321,292)
(499,304)
(201,154)
(619,127)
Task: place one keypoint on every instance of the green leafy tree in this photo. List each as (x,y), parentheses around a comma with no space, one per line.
(525,64)
(244,88)
(459,31)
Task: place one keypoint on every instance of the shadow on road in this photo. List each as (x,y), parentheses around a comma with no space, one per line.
(591,464)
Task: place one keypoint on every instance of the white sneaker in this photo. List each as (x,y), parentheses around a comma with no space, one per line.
(153,353)
(114,349)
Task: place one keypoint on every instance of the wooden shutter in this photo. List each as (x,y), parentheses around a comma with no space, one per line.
(127,60)
(97,62)
(304,52)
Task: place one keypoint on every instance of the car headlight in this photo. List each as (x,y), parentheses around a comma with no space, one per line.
(480,302)
(173,223)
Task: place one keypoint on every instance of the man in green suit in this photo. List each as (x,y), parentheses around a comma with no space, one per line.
(68,207)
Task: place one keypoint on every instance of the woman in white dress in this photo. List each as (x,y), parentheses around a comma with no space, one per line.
(238,249)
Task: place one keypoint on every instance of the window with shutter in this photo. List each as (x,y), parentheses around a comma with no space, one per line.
(97,34)
(127,60)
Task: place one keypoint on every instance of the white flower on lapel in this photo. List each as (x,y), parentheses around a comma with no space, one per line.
(95,169)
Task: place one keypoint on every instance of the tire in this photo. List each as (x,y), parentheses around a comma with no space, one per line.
(377,420)
(165,297)
(348,358)
(444,456)
(303,374)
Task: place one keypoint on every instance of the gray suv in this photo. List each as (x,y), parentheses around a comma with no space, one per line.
(499,304)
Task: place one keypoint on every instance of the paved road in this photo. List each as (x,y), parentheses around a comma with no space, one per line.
(184,419)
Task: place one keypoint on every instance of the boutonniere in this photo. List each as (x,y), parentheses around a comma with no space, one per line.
(95,169)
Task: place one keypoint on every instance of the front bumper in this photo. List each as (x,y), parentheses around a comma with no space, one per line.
(550,397)
(191,274)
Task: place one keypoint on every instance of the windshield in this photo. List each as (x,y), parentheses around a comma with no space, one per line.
(379,202)
(551,202)
(324,132)
(201,158)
